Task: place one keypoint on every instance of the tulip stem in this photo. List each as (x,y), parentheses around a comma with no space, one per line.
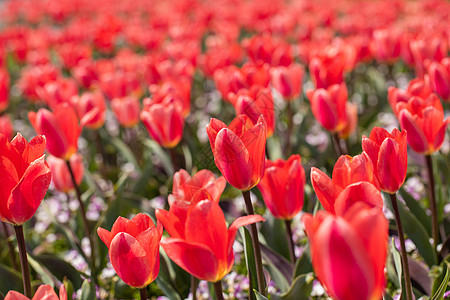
(398,221)
(256,247)
(433,207)
(10,246)
(23,261)
(218,290)
(143,293)
(83,213)
(337,144)
(174,158)
(290,240)
(194,284)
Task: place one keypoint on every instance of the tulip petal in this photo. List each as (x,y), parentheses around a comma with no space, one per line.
(105,236)
(440,135)
(213,129)
(325,190)
(391,167)
(13,295)
(45,292)
(198,260)
(362,191)
(416,137)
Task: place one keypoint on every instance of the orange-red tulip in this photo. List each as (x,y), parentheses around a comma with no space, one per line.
(61,177)
(126,110)
(282,187)
(288,80)
(25,178)
(349,251)
(388,153)
(91,109)
(58,91)
(205,249)
(440,78)
(60,127)
(134,249)
(239,150)
(44,292)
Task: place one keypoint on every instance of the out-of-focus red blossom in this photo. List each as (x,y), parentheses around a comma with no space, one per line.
(164,122)
(417,87)
(350,175)
(59,91)
(134,249)
(159,69)
(239,150)
(61,177)
(120,84)
(282,187)
(329,106)
(351,110)
(85,73)
(173,90)
(254,103)
(203,185)
(439,74)
(288,80)
(44,291)
(126,110)
(386,45)
(71,54)
(60,127)
(6,126)
(207,253)
(267,49)
(25,178)
(328,65)
(34,77)
(349,251)
(91,109)
(4,89)
(433,48)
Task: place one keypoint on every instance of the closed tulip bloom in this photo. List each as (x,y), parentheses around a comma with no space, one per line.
(349,251)
(91,109)
(61,177)
(439,74)
(282,187)
(25,178)
(388,153)
(164,122)
(44,291)
(239,150)
(60,127)
(352,121)
(126,110)
(6,126)
(134,249)
(329,106)
(327,67)
(206,253)
(288,80)
(4,89)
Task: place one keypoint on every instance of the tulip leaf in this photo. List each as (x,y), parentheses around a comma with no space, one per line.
(165,160)
(187,157)
(397,262)
(300,289)
(420,274)
(280,264)
(14,281)
(259,296)
(443,287)
(60,269)
(249,259)
(416,208)
(45,275)
(303,264)
(88,291)
(126,152)
(277,242)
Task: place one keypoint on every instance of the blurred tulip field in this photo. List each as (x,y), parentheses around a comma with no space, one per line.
(195,149)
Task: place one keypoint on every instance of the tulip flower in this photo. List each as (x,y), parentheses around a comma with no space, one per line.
(388,153)
(25,178)
(282,187)
(126,110)
(91,109)
(61,176)
(327,67)
(164,122)
(417,87)
(349,251)
(4,90)
(6,126)
(58,91)
(346,171)
(134,249)
(385,45)
(352,121)
(44,291)
(439,74)
(179,90)
(35,77)
(329,106)
(207,253)
(288,80)
(239,150)
(60,127)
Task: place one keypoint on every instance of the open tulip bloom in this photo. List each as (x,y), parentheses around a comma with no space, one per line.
(44,292)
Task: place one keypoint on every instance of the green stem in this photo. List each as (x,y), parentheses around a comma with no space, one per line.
(408,289)
(218,290)
(290,240)
(433,206)
(337,144)
(194,284)
(23,261)
(143,293)
(256,247)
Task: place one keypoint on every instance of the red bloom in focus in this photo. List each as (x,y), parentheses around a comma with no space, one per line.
(206,253)
(25,178)
(439,74)
(60,127)
(164,122)
(288,80)
(282,187)
(126,110)
(44,291)
(329,106)
(4,89)
(239,150)
(388,152)
(60,172)
(134,249)
(91,109)
(349,251)
(6,126)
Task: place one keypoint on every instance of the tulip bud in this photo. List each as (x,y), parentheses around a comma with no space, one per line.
(126,110)
(288,80)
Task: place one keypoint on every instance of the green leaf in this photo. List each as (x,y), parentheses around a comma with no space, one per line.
(280,265)
(416,208)
(14,281)
(46,276)
(60,269)
(126,152)
(303,264)
(165,159)
(300,289)
(259,296)
(249,258)
(167,288)
(277,242)
(439,294)
(397,263)
(88,291)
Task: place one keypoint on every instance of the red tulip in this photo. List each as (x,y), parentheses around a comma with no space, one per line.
(25,178)
(126,110)
(85,73)
(351,111)
(58,91)
(288,80)
(60,127)
(44,292)
(267,49)
(6,126)
(134,249)
(282,187)
(164,122)
(329,106)
(61,177)
(206,253)
(179,90)
(327,67)
(239,150)
(4,90)
(388,153)
(386,45)
(91,109)
(417,87)
(439,74)
(35,77)
(346,172)
(349,251)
